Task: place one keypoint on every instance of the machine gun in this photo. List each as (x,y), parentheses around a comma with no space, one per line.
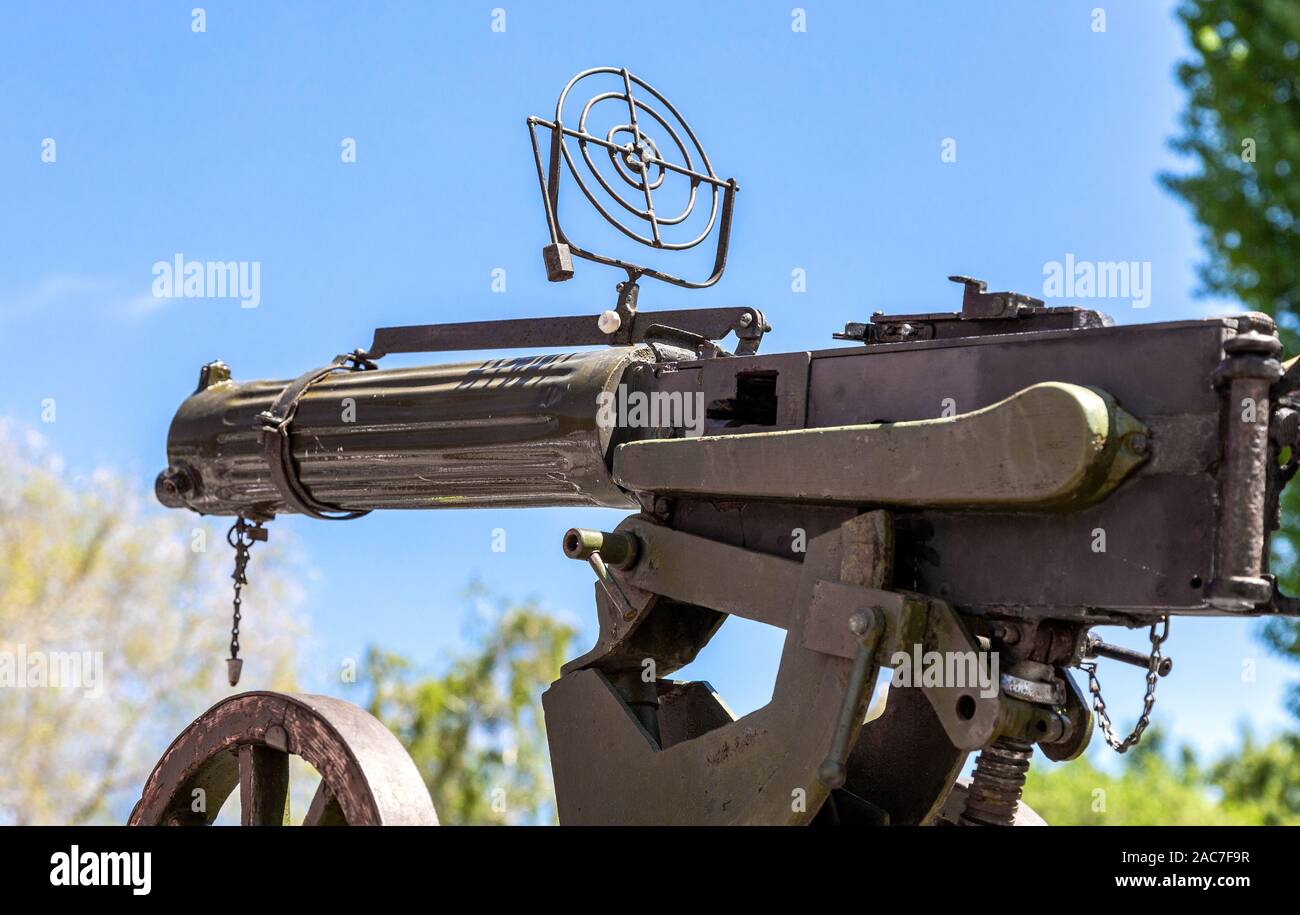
(973,489)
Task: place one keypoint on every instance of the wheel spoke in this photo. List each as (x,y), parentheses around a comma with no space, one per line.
(324,809)
(263,786)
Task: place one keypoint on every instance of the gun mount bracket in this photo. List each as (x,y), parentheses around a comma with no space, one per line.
(681,751)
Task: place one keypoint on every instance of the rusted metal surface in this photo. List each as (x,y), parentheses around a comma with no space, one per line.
(1246,375)
(367,778)
(993,796)
(950,813)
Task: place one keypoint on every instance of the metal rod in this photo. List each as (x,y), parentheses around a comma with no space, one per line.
(868,626)
(1099,649)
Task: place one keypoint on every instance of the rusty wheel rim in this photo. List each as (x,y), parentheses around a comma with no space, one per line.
(244,742)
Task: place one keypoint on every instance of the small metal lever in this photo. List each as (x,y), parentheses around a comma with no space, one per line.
(867,626)
(1094,647)
(599,548)
(748,324)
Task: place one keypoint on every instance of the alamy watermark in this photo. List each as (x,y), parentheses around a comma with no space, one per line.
(24,669)
(960,669)
(1076,279)
(626,409)
(182,279)
(103,868)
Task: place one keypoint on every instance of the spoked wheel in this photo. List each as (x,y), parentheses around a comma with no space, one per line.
(367,778)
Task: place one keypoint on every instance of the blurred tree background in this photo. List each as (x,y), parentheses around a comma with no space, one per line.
(1241,136)
(92,565)
(1241,132)
(476,732)
(1252,784)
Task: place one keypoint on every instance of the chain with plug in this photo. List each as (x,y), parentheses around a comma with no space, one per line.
(1156,665)
(241,536)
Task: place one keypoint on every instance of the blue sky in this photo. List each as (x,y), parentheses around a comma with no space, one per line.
(225,145)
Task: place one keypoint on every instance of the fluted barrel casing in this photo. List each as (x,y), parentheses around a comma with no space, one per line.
(505,432)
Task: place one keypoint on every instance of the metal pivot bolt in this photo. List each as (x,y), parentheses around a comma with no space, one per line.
(609,321)
(617,549)
(1096,648)
(602,549)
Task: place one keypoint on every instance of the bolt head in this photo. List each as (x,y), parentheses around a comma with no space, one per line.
(609,321)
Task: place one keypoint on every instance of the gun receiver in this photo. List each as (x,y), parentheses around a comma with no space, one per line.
(996,481)
(996,449)
(982,485)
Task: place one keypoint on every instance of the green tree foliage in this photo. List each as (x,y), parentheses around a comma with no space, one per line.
(1241,130)
(1255,784)
(1262,781)
(476,731)
(1148,790)
(92,566)
(1241,133)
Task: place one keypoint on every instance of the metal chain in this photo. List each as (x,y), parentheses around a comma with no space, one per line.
(1148,701)
(241,536)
